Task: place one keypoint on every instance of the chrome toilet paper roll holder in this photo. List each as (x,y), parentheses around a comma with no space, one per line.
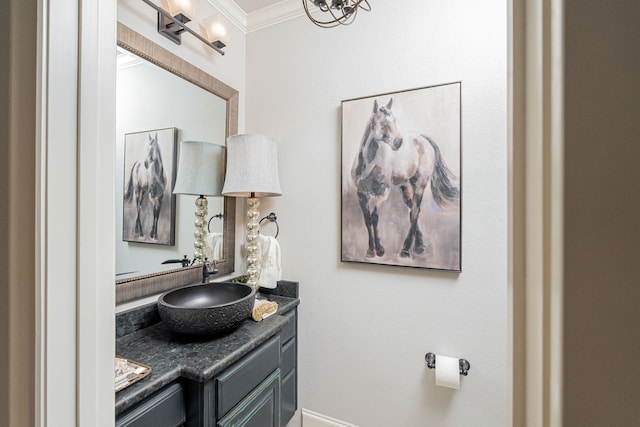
(464,363)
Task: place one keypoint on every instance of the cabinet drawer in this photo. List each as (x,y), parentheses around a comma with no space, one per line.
(245,375)
(165,409)
(289,329)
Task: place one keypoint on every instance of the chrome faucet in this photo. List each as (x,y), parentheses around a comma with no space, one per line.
(208,269)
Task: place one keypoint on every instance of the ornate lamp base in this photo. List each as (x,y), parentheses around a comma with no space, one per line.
(253,233)
(200,233)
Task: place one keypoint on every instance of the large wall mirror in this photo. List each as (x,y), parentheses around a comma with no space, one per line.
(159,92)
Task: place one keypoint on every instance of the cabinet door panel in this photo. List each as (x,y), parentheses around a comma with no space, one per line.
(235,383)
(289,401)
(288,357)
(166,409)
(260,409)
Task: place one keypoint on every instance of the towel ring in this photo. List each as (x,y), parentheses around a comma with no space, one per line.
(273,218)
(220,215)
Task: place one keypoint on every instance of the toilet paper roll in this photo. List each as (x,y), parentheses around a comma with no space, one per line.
(447,372)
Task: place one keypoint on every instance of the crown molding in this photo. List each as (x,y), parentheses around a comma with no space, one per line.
(279,12)
(234,13)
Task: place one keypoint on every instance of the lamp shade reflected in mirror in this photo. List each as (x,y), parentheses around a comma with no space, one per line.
(200,174)
(200,169)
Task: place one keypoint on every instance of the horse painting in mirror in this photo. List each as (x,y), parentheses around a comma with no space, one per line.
(147,178)
(386,159)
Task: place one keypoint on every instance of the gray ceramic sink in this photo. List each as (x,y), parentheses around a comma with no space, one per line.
(209,309)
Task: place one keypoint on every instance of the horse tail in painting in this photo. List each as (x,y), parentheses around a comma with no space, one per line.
(441,185)
(128,194)
(136,189)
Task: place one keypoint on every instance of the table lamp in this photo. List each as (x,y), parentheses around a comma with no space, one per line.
(252,172)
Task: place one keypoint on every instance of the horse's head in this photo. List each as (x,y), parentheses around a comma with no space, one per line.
(153,162)
(153,151)
(380,130)
(383,124)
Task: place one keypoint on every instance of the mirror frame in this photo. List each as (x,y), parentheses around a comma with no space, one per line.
(155,283)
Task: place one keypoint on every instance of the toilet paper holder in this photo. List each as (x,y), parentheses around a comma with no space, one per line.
(464,363)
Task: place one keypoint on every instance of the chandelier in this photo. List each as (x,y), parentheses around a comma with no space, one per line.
(341,12)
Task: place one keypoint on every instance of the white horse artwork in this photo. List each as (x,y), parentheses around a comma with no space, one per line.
(412,163)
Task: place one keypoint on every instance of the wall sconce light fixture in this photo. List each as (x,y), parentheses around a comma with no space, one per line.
(252,171)
(200,173)
(340,12)
(175,14)
(216,30)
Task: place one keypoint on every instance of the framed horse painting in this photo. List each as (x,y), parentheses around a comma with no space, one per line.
(401,178)
(149,206)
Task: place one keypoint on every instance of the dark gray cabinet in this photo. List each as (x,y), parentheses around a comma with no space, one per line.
(261,408)
(288,367)
(233,394)
(259,390)
(164,409)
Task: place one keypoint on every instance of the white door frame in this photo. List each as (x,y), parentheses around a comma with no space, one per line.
(536,227)
(75,332)
(96,219)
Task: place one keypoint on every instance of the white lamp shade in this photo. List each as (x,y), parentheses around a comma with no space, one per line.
(252,167)
(200,169)
(184,7)
(216,29)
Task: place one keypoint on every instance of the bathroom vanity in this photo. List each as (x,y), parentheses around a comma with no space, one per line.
(245,378)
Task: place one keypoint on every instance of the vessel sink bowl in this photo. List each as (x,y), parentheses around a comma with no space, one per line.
(206,309)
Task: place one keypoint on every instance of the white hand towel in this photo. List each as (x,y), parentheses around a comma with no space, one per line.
(270,269)
(213,246)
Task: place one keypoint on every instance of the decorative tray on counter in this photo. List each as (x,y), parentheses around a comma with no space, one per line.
(127,372)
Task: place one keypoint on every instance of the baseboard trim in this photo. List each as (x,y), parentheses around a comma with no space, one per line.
(313,419)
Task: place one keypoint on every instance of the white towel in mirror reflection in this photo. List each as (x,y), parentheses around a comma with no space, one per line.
(213,247)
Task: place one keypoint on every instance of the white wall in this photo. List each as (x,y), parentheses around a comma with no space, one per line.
(364,330)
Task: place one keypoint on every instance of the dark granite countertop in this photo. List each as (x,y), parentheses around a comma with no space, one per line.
(171,357)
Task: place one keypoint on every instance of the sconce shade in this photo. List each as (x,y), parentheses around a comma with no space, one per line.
(185,8)
(252,167)
(216,30)
(200,169)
